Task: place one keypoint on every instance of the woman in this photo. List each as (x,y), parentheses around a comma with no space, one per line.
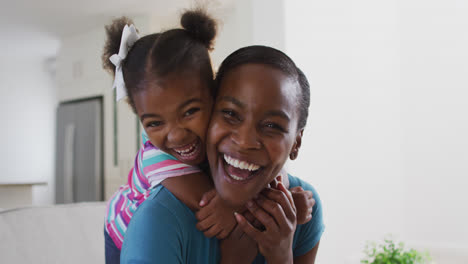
(257,123)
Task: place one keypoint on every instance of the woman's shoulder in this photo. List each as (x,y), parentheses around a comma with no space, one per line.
(308,235)
(161,201)
(158,227)
(297,182)
(161,214)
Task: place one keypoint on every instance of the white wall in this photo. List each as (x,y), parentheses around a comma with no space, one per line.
(27,111)
(434,120)
(246,23)
(386,141)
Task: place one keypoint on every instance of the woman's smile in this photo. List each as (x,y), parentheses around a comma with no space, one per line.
(252,131)
(239,170)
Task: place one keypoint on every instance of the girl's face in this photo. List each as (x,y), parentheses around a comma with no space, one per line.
(175,113)
(252,131)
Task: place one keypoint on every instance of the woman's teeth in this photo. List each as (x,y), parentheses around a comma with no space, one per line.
(235,177)
(243,165)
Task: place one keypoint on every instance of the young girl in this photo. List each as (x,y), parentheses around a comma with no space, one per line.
(169,82)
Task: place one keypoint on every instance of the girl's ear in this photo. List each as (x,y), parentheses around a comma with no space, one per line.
(297,144)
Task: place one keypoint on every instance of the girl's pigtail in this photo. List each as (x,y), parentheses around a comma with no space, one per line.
(112,44)
(200,26)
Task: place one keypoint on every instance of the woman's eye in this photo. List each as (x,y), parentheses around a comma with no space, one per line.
(230,116)
(228,113)
(275,126)
(154,124)
(191,111)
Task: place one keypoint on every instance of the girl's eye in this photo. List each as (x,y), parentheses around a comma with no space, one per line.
(191,111)
(154,124)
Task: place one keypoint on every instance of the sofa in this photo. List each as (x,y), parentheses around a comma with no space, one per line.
(71,233)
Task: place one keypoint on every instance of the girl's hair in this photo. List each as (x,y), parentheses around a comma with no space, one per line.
(273,58)
(158,55)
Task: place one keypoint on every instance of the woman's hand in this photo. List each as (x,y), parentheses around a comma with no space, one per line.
(303,200)
(275,209)
(238,247)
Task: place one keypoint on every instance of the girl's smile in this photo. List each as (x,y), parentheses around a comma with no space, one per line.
(190,151)
(175,113)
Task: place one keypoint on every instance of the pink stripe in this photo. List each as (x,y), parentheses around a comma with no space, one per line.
(131,195)
(119,204)
(109,203)
(116,237)
(126,215)
(130,177)
(161,164)
(188,169)
(137,169)
(173,173)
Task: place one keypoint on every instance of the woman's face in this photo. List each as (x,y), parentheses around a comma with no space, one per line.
(252,131)
(175,113)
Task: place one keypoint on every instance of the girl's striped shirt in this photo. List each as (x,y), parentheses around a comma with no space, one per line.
(151,167)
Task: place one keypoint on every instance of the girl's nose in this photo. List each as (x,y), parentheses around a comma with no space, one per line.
(177,136)
(245,137)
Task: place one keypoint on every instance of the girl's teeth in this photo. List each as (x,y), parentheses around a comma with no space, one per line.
(240,164)
(187,150)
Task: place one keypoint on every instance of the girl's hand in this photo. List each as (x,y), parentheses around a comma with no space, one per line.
(275,209)
(304,202)
(215,218)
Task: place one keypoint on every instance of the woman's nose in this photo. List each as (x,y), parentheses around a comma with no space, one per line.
(177,135)
(245,137)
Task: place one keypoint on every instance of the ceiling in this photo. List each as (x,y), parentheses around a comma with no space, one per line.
(35,27)
(67,17)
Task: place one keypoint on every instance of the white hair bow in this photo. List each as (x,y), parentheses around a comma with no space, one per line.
(129,37)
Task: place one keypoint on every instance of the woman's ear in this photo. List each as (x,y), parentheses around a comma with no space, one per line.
(297,144)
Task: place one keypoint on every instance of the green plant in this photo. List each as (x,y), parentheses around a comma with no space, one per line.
(390,253)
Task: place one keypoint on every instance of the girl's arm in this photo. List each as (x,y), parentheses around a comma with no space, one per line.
(187,183)
(217,219)
(304,202)
(189,188)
